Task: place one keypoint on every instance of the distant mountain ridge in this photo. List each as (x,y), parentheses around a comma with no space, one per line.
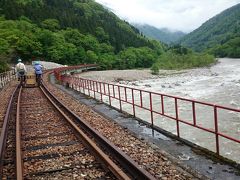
(163,34)
(220,35)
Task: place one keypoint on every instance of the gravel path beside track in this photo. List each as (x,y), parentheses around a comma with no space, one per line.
(152,159)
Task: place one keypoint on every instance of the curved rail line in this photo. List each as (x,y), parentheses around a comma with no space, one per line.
(43,137)
(5,129)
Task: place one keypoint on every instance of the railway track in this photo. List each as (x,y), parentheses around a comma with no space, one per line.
(44,140)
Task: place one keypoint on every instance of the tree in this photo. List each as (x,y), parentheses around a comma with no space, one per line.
(155,69)
(28,47)
(101,35)
(51,24)
(3,66)
(4,46)
(73,36)
(91,57)
(106,61)
(89,42)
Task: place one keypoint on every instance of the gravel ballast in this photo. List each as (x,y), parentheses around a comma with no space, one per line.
(151,159)
(5,95)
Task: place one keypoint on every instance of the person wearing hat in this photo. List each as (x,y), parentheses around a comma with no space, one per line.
(21,70)
(38,71)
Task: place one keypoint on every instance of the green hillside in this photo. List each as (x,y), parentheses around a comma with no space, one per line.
(79,31)
(85,15)
(163,35)
(220,35)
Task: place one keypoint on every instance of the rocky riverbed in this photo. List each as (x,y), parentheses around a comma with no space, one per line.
(218,84)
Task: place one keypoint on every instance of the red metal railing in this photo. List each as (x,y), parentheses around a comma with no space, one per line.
(59,71)
(134,97)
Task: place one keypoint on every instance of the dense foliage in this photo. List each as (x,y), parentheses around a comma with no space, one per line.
(219,35)
(68,46)
(3,66)
(163,35)
(231,48)
(84,15)
(74,32)
(178,57)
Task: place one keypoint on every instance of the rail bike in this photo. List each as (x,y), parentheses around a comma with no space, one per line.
(31,80)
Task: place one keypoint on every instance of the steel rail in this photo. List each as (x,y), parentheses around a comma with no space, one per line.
(19,167)
(104,158)
(133,168)
(3,137)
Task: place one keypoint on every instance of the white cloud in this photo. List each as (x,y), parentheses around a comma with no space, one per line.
(185,15)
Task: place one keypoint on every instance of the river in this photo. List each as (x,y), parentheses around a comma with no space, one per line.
(218,84)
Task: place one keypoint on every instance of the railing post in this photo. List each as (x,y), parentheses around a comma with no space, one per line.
(94,90)
(100,90)
(109,95)
(84,86)
(104,89)
(113,91)
(216,129)
(125,90)
(151,107)
(77,84)
(194,113)
(91,88)
(162,104)
(74,83)
(81,85)
(177,122)
(97,86)
(133,104)
(119,95)
(88,87)
(141,98)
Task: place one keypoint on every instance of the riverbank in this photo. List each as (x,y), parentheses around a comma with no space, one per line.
(217,84)
(128,75)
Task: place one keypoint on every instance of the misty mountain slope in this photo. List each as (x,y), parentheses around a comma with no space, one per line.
(163,34)
(82,31)
(218,33)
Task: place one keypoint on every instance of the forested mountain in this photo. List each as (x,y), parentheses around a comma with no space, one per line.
(220,35)
(81,31)
(163,34)
(85,15)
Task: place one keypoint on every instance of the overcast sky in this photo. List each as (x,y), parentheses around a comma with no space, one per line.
(184,15)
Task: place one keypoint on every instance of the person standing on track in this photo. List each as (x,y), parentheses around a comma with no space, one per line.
(38,71)
(21,70)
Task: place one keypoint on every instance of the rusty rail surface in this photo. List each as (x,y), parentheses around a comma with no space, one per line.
(131,169)
(131,166)
(19,163)
(107,161)
(134,98)
(100,154)
(6,77)
(4,130)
